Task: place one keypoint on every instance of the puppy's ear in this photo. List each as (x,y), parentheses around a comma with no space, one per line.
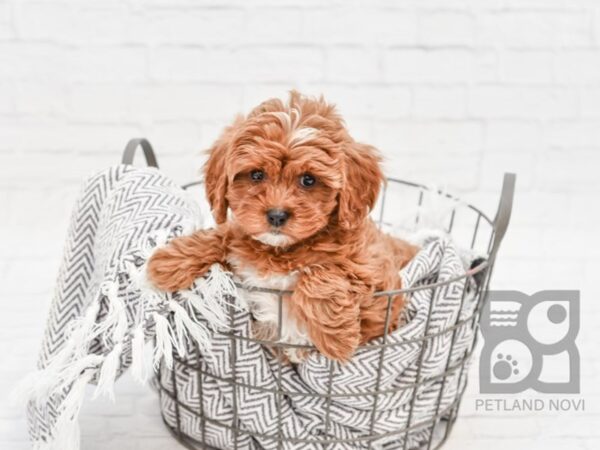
(215,176)
(362,181)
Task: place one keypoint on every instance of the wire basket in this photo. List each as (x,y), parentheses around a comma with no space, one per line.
(469,227)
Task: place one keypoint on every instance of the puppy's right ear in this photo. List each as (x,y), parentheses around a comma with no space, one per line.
(215,176)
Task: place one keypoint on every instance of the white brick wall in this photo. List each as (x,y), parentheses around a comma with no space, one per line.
(452,91)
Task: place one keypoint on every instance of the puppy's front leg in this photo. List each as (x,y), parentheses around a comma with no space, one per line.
(328,305)
(186,258)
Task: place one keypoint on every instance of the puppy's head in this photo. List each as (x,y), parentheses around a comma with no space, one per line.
(289,170)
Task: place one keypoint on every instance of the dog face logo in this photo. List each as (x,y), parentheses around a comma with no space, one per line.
(530,342)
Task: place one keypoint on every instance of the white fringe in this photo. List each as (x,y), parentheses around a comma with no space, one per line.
(108,373)
(82,330)
(215,317)
(66,427)
(211,303)
(65,435)
(64,368)
(219,287)
(180,331)
(191,326)
(214,298)
(121,326)
(139,278)
(138,360)
(164,341)
(115,307)
(73,368)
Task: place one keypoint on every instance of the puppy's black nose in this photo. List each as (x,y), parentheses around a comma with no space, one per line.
(277,217)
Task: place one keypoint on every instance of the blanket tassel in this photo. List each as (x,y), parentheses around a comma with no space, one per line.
(138,362)
(164,342)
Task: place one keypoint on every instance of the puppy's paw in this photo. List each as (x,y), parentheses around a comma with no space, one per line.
(339,347)
(171,270)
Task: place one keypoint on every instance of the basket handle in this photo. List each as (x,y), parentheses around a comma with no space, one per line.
(504,211)
(132,146)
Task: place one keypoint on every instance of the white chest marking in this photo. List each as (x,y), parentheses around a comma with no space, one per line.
(264,306)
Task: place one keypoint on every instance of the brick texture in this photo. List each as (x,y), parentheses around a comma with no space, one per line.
(453,92)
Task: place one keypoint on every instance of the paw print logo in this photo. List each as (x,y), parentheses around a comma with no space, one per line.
(529,342)
(505,367)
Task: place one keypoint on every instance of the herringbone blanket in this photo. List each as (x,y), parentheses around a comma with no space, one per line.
(202,384)
(104,311)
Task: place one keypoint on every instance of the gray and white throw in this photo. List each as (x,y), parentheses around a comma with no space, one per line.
(106,317)
(202,384)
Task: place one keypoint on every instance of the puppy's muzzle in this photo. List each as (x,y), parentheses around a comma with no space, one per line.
(277,217)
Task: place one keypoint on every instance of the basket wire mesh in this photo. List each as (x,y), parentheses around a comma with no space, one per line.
(479,233)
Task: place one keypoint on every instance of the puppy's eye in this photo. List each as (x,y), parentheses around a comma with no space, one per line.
(307,180)
(257,175)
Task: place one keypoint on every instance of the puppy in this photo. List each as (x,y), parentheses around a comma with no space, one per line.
(290,191)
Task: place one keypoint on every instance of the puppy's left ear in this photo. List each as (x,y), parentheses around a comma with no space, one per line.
(215,172)
(362,180)
(215,180)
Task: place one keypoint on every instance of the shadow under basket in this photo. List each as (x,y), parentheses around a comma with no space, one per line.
(186,400)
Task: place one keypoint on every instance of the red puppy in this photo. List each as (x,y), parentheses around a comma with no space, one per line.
(291,191)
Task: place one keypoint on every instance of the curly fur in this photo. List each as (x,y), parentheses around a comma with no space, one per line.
(338,254)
